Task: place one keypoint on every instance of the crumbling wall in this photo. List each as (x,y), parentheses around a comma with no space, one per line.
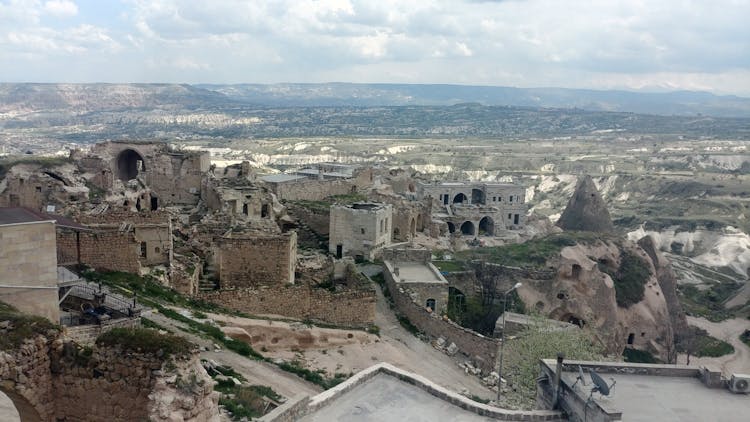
(102,250)
(350,307)
(312,190)
(263,260)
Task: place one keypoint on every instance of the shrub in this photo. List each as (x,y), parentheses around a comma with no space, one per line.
(629,279)
(21,327)
(639,356)
(146,340)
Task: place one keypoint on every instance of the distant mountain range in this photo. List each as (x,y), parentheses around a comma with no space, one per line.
(29,97)
(368,95)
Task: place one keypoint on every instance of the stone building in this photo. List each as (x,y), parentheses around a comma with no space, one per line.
(253,260)
(360,230)
(39,186)
(476,208)
(28,262)
(118,241)
(173,177)
(321,181)
(412,271)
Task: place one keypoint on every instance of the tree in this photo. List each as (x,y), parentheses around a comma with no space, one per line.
(540,340)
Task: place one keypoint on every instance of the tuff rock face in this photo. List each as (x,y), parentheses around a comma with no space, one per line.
(583,292)
(586,210)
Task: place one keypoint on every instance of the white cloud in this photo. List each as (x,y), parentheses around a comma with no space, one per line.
(576,43)
(61,8)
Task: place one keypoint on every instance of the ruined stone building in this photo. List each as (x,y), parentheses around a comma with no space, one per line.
(253,260)
(28,262)
(360,230)
(38,187)
(118,241)
(321,181)
(170,177)
(476,208)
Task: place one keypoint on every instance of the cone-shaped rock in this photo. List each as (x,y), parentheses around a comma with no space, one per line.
(586,210)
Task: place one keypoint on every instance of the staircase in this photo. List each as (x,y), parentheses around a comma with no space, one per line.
(209,280)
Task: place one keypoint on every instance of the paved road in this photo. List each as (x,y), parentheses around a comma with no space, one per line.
(728,330)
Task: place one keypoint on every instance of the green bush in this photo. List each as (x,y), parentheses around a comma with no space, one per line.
(21,327)
(639,356)
(630,278)
(531,254)
(146,340)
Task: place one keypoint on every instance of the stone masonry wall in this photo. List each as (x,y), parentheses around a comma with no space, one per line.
(312,190)
(257,261)
(102,250)
(480,349)
(87,334)
(354,308)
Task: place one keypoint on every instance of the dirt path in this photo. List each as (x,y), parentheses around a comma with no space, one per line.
(256,372)
(729,331)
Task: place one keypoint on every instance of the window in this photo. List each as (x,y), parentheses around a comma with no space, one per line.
(510,198)
(510,216)
(431,304)
(494,199)
(515,219)
(362,230)
(144,249)
(382,226)
(631,338)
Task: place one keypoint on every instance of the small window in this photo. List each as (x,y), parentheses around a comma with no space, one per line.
(515,219)
(38,188)
(431,304)
(510,216)
(144,249)
(362,230)
(631,338)
(510,198)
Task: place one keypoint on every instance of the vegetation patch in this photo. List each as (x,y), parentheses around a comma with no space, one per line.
(708,302)
(480,315)
(745,337)
(531,254)
(639,356)
(699,343)
(146,340)
(15,327)
(539,341)
(449,266)
(316,377)
(630,278)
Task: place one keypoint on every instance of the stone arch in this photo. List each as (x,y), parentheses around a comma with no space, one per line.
(129,164)
(477,196)
(451,227)
(487,226)
(467,228)
(430,303)
(575,271)
(25,410)
(396,233)
(460,198)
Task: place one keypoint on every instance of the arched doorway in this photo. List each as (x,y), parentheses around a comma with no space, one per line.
(413,227)
(467,228)
(460,198)
(396,233)
(420,226)
(129,164)
(451,227)
(26,412)
(487,226)
(477,196)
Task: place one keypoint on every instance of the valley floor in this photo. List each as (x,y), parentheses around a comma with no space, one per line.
(728,330)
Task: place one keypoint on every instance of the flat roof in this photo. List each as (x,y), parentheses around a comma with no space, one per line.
(416,272)
(665,398)
(278,178)
(386,398)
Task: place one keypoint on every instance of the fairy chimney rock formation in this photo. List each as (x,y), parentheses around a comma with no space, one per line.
(586,210)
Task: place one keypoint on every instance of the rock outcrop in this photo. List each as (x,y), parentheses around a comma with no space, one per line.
(586,210)
(584,292)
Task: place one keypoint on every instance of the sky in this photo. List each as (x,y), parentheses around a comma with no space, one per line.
(656,45)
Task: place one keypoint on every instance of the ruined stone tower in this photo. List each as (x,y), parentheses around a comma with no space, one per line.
(586,210)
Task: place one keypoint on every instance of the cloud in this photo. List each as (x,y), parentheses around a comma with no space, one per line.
(61,8)
(575,43)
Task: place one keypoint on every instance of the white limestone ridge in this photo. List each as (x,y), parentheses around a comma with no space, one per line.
(727,248)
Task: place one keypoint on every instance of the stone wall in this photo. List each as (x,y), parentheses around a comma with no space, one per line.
(312,190)
(87,334)
(102,250)
(480,349)
(28,262)
(350,307)
(253,261)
